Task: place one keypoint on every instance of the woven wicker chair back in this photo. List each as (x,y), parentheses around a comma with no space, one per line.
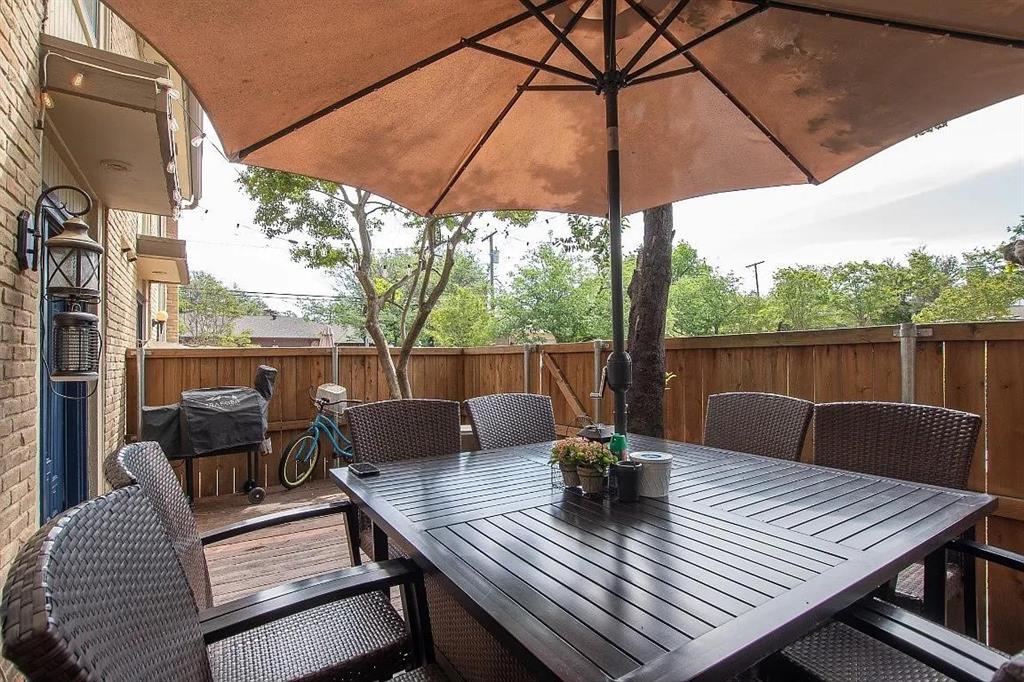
(509,419)
(393,430)
(144,463)
(931,445)
(759,423)
(97,594)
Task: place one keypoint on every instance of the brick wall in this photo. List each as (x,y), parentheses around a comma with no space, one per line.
(119,333)
(119,324)
(171,328)
(20,168)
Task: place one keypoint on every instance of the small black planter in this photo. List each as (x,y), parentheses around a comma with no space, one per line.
(628,478)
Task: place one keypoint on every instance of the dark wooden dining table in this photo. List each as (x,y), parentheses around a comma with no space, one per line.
(744,556)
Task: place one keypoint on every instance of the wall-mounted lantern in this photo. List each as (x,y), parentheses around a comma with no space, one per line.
(73,262)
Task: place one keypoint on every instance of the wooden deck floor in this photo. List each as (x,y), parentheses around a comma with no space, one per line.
(268,557)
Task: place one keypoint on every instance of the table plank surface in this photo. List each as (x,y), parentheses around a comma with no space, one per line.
(743,556)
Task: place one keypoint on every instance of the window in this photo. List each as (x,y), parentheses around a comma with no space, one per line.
(91,8)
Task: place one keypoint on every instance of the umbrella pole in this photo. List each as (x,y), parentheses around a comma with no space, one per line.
(620,367)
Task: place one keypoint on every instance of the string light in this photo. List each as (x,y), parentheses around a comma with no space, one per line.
(173,123)
(47,99)
(197,141)
(171,166)
(78,79)
(173,93)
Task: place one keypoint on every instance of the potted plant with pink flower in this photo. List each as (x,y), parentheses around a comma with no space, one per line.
(582,462)
(564,453)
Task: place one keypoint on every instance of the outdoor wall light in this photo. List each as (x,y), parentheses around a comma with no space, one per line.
(72,268)
(76,347)
(73,264)
(159,322)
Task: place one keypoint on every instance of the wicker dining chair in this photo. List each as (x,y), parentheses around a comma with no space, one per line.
(98,593)
(395,430)
(505,420)
(375,638)
(920,443)
(758,423)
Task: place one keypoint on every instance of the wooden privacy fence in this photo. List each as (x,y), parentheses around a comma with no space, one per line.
(974,367)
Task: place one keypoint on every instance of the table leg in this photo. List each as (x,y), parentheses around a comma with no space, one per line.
(352,527)
(935,586)
(189,492)
(970,587)
(380,544)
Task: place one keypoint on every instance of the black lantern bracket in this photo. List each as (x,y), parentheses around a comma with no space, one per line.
(30,232)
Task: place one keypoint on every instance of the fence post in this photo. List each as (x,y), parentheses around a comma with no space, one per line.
(907,333)
(334,363)
(598,393)
(527,349)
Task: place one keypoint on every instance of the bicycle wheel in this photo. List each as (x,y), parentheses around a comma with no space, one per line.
(299,460)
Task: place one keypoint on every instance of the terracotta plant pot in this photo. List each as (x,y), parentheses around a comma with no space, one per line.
(569,475)
(591,479)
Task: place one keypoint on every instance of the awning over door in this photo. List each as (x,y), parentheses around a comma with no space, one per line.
(112,117)
(161,259)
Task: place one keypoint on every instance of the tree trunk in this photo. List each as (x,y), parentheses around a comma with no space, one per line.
(648,295)
(403,373)
(387,365)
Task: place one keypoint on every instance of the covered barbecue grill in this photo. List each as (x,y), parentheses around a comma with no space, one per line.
(215,421)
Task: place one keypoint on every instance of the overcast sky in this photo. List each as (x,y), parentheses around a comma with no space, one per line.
(953,190)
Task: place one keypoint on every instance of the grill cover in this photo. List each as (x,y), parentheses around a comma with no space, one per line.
(162,423)
(214,419)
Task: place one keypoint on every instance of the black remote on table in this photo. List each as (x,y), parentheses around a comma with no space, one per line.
(362,469)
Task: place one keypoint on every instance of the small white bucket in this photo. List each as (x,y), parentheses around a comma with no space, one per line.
(655,472)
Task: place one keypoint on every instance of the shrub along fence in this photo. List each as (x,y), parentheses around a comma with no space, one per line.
(974,367)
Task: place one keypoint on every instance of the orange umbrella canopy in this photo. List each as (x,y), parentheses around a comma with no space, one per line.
(454,105)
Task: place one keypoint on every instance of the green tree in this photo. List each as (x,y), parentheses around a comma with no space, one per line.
(867,293)
(801,298)
(704,303)
(928,275)
(462,318)
(208,310)
(685,261)
(984,294)
(340,224)
(561,294)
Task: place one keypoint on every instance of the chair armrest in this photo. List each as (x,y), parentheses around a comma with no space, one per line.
(275,519)
(996,555)
(951,653)
(227,620)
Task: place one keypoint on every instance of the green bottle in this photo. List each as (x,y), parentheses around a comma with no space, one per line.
(618,446)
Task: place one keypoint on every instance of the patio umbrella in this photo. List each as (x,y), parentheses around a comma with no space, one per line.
(596,107)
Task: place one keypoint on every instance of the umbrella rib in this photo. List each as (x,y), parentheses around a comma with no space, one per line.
(682,48)
(387,80)
(753,119)
(511,103)
(513,57)
(891,23)
(664,74)
(563,39)
(658,32)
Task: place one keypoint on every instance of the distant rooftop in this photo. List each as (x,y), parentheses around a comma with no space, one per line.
(280,326)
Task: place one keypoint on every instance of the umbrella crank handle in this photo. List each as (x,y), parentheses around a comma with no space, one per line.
(597,395)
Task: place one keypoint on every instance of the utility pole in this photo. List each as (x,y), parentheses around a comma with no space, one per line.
(491,259)
(757,281)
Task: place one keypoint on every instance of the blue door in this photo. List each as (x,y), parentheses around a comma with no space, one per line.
(64,444)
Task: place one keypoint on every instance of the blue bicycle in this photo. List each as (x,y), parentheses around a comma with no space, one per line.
(298,461)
